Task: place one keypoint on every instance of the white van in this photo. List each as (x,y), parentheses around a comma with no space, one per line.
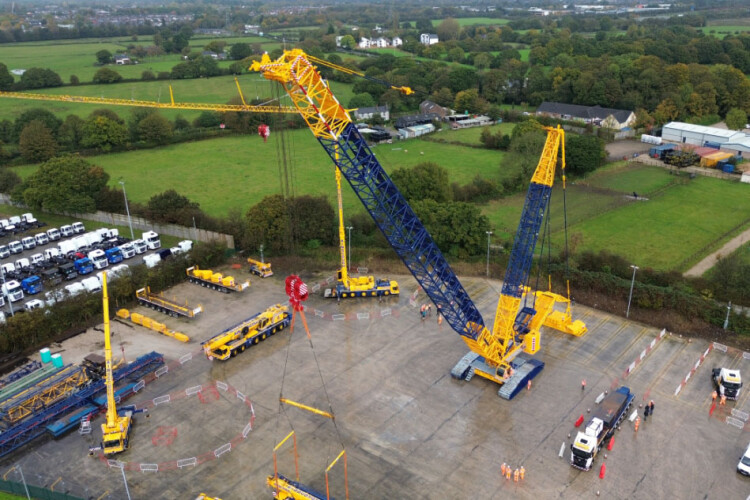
(33,304)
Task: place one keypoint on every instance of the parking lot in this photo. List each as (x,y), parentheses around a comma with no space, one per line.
(409,429)
(40,249)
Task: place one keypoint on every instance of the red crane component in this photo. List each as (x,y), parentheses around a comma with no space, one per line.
(264,131)
(297,291)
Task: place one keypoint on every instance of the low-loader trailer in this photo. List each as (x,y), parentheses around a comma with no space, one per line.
(168,306)
(215,281)
(607,416)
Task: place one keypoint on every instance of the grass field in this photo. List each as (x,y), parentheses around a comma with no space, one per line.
(231,172)
(524,54)
(77,57)
(470,136)
(217,90)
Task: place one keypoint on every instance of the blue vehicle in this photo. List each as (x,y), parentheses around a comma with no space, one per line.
(114,255)
(84,266)
(32,285)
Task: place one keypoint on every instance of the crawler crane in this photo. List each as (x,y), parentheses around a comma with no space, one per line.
(494,352)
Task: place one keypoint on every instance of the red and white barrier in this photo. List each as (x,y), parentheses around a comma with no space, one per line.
(695,367)
(643,353)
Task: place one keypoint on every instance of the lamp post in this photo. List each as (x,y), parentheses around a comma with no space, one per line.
(349,258)
(627,313)
(489,233)
(127,209)
(726,320)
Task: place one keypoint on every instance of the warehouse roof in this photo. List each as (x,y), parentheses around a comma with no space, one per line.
(586,112)
(701,129)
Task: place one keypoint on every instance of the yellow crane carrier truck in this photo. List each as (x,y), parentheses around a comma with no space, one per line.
(214,281)
(247,333)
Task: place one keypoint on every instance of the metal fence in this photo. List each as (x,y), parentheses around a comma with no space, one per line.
(35,492)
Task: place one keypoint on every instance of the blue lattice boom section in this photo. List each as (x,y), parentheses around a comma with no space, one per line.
(403,230)
(35,426)
(20,373)
(521,257)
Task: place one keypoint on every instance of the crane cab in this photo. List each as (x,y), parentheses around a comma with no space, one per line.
(115,438)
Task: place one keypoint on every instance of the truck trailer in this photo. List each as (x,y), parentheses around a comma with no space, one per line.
(215,281)
(160,303)
(236,338)
(600,428)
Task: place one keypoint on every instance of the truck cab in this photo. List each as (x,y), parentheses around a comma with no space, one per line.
(51,277)
(15,247)
(12,290)
(743,467)
(114,255)
(92,284)
(4,251)
(78,228)
(68,271)
(84,266)
(28,243)
(67,231)
(151,260)
(41,238)
(53,234)
(22,264)
(128,250)
(74,289)
(37,260)
(33,304)
(98,258)
(140,246)
(29,219)
(15,220)
(728,382)
(31,285)
(152,240)
(51,254)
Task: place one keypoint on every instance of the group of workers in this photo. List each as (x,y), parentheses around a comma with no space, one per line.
(722,401)
(507,471)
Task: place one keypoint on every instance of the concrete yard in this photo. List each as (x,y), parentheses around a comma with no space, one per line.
(409,429)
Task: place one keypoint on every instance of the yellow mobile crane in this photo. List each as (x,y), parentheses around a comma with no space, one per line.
(116,430)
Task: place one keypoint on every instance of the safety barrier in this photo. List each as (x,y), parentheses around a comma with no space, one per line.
(695,367)
(207,456)
(643,353)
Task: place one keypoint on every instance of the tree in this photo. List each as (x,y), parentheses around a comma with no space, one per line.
(102,133)
(458,228)
(207,119)
(106,75)
(424,25)
(6,79)
(583,153)
(65,183)
(155,128)
(172,208)
(148,75)
(348,42)
(104,56)
(448,29)
(8,180)
(470,101)
(107,113)
(216,46)
(74,80)
(71,132)
(36,78)
(736,119)
(46,117)
(423,181)
(240,51)
(363,100)
(267,224)
(36,142)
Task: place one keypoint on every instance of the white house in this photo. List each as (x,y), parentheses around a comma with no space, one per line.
(367,113)
(122,59)
(397,42)
(382,42)
(428,39)
(365,43)
(338,40)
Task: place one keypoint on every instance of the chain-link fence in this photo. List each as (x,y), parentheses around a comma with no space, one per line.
(36,492)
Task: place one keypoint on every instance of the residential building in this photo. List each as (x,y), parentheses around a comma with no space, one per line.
(122,59)
(397,42)
(368,113)
(429,107)
(365,43)
(596,115)
(428,39)
(382,42)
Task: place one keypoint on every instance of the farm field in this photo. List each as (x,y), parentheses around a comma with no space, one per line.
(77,57)
(217,90)
(524,54)
(237,172)
(470,136)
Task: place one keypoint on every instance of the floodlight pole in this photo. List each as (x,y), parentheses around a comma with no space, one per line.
(630,297)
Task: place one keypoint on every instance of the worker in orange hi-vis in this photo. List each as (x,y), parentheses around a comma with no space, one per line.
(583,384)
(507,473)
(723,400)
(528,385)
(515,475)
(502,469)
(523,472)
(637,423)
(714,396)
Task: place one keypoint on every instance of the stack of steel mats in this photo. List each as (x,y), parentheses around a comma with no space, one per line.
(34,426)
